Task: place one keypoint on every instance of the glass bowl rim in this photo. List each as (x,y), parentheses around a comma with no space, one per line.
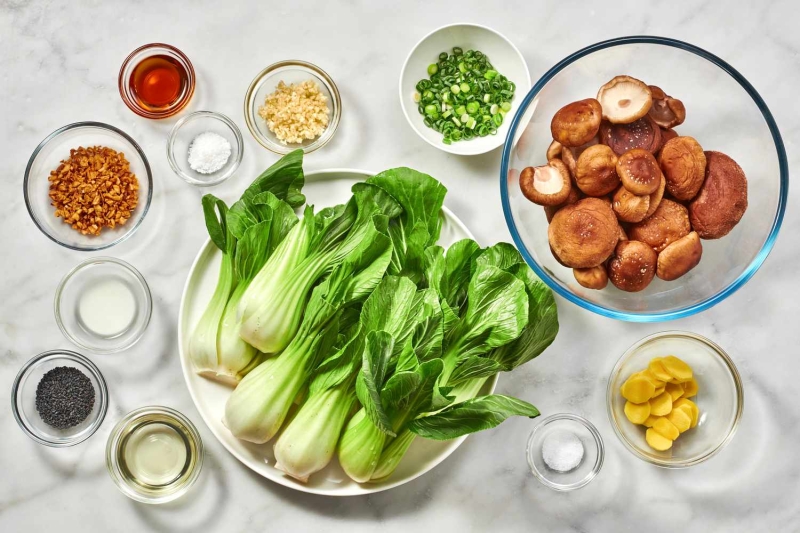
(80,266)
(441,146)
(712,300)
(103,126)
(738,387)
(204,114)
(113,466)
(102,395)
(176,108)
(598,463)
(336,104)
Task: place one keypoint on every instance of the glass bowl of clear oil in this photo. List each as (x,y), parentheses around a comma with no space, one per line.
(154,454)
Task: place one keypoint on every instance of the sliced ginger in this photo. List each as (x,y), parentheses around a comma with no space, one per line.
(658,398)
(638,412)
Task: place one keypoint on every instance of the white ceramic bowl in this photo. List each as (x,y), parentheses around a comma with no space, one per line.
(503,55)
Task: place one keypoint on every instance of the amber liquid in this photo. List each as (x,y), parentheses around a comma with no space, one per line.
(157,82)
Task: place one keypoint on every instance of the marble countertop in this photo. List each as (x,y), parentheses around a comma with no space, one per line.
(58,64)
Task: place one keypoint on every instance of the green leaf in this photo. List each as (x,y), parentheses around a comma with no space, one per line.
(542,325)
(374,365)
(421,399)
(471,416)
(216,225)
(428,332)
(399,386)
(391,308)
(253,250)
(342,363)
(408,359)
(474,367)
(419,225)
(450,273)
(502,255)
(284,179)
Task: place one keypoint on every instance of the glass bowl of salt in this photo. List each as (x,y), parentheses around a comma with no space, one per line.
(565,452)
(205,148)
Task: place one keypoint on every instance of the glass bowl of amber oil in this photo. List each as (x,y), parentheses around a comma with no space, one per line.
(156,80)
(154,454)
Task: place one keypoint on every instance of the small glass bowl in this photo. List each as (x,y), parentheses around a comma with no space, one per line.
(136,57)
(48,155)
(720,398)
(23,399)
(186,130)
(593,452)
(292,71)
(86,316)
(143,491)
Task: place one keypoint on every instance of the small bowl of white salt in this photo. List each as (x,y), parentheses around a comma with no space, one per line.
(565,452)
(205,148)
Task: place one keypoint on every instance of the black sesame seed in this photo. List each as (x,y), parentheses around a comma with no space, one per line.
(64,397)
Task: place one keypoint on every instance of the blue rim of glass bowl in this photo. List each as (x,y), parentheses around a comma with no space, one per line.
(104,126)
(708,302)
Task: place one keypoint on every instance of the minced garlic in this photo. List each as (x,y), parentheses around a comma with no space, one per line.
(296,112)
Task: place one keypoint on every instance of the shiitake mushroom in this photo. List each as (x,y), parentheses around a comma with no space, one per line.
(576,123)
(554,150)
(667,224)
(633,266)
(667,111)
(656,197)
(684,165)
(596,171)
(642,133)
(679,257)
(592,278)
(639,172)
(722,199)
(549,184)
(584,234)
(630,207)
(624,99)
(551,210)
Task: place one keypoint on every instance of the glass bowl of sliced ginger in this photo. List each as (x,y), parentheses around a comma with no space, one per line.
(675,399)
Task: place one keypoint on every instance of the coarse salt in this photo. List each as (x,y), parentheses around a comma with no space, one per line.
(209,152)
(562,451)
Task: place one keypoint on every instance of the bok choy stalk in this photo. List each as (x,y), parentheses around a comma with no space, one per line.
(257,408)
(394,310)
(274,309)
(247,234)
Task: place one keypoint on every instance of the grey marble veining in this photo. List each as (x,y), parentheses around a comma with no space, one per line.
(58,64)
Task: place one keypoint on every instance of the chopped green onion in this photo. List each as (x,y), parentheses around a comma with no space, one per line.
(430,109)
(505,106)
(465,118)
(433,68)
(497,119)
(460,110)
(416,96)
(487,97)
(457,51)
(494,109)
(471,123)
(455,89)
(464,88)
(472,108)
(456,121)
(490,74)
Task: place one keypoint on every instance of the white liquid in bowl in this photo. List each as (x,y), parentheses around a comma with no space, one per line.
(107,308)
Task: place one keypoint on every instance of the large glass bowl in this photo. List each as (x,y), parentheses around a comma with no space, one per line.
(723,112)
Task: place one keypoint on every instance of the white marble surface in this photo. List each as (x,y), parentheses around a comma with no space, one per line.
(58,64)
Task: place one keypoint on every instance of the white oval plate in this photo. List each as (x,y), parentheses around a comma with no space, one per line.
(324,187)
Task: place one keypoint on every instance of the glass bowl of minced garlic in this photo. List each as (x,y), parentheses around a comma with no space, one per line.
(675,399)
(291,105)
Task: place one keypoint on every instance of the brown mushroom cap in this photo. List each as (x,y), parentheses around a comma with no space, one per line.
(630,207)
(667,111)
(684,165)
(679,257)
(667,224)
(591,278)
(722,199)
(576,123)
(554,150)
(624,99)
(622,235)
(596,171)
(639,172)
(551,210)
(643,133)
(570,155)
(656,197)
(666,135)
(633,266)
(546,185)
(583,234)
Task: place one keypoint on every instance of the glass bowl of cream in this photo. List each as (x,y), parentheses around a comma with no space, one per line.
(103,305)
(154,454)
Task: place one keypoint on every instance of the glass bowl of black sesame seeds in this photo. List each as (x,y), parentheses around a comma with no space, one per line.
(59,398)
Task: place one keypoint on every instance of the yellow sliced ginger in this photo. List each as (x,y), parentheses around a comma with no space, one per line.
(650,421)
(653,379)
(680,418)
(685,403)
(661,405)
(657,369)
(657,441)
(637,412)
(690,388)
(675,390)
(666,428)
(637,389)
(676,368)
